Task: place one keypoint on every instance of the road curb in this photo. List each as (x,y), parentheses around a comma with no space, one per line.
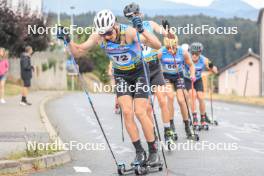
(42,162)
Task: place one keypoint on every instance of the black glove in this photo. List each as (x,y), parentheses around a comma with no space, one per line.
(166,25)
(62,34)
(138,24)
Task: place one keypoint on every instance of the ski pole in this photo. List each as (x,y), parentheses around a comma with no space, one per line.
(193,98)
(122,125)
(150,96)
(90,100)
(211,100)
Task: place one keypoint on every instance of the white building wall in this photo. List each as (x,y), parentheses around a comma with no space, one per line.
(262,52)
(233,80)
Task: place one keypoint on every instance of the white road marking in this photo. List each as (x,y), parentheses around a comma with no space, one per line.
(232,137)
(82,169)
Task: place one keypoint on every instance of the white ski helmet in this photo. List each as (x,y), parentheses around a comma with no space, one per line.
(104,20)
(185,47)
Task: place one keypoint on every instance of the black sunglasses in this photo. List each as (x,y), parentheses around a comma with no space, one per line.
(108,33)
(196,53)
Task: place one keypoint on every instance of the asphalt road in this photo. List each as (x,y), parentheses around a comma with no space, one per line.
(239,137)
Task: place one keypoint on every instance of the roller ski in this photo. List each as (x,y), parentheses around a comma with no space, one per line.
(196,125)
(190,135)
(141,166)
(169,137)
(204,125)
(153,164)
(211,122)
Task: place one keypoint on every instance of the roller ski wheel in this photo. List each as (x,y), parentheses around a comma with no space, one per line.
(205,127)
(194,137)
(215,123)
(197,127)
(169,144)
(121,169)
(140,170)
(143,170)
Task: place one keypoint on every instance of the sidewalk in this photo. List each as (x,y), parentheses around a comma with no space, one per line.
(18,121)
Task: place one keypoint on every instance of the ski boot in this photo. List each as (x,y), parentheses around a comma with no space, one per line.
(196,125)
(169,137)
(190,135)
(153,159)
(207,119)
(153,164)
(172,126)
(140,159)
(204,125)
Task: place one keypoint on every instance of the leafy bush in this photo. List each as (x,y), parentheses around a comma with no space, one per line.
(14,30)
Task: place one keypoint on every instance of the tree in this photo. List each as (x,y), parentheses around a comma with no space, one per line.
(14,34)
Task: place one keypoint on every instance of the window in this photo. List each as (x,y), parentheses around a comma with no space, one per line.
(250,63)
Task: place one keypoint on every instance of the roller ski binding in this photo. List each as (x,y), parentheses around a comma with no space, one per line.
(204,125)
(169,137)
(196,125)
(153,164)
(190,135)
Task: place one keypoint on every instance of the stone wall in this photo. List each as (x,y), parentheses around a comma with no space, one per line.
(50,71)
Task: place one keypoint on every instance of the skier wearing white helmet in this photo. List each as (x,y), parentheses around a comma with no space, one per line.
(156,75)
(120,43)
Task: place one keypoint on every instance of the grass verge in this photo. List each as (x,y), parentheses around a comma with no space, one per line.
(239,99)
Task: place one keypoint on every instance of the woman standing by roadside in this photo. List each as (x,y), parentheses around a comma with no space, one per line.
(4,66)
